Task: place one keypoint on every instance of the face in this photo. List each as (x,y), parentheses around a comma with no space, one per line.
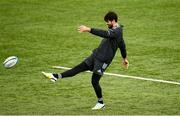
(109,24)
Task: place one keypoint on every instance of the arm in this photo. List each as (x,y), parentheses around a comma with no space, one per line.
(122,48)
(102,33)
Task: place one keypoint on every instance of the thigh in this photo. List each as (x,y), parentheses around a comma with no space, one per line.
(99,67)
(77,69)
(90,62)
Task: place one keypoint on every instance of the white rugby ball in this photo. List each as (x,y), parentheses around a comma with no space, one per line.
(10,61)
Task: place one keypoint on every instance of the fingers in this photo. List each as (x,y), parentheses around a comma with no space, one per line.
(126,63)
(81,28)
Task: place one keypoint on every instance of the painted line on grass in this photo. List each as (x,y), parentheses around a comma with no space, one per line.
(127,76)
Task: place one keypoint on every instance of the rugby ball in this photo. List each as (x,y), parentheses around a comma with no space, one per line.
(10,61)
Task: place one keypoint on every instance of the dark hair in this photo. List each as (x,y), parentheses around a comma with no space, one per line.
(110,16)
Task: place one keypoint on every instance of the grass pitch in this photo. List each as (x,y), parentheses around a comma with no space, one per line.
(43,33)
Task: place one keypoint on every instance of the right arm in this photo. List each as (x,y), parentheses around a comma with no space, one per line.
(103,33)
(99,32)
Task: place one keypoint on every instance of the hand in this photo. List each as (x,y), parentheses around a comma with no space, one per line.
(83,28)
(125,63)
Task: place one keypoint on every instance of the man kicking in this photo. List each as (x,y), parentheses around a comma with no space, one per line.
(101,57)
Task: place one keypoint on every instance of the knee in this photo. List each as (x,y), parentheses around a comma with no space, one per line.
(94,82)
(95,79)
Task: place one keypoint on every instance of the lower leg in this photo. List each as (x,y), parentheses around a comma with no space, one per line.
(97,87)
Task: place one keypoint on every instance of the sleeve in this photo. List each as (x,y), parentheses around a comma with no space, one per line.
(102,33)
(122,48)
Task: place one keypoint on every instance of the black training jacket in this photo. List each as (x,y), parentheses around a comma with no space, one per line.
(113,39)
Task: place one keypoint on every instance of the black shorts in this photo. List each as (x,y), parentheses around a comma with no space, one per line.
(95,65)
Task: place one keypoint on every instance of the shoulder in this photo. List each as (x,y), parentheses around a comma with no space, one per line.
(117,29)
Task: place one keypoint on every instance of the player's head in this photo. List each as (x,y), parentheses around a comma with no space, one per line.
(110,18)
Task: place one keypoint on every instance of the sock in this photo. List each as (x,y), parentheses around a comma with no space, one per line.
(60,75)
(100,100)
(57,75)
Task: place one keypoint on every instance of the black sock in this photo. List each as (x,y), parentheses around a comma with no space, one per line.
(56,76)
(100,101)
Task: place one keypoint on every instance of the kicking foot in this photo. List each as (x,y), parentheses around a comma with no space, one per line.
(98,106)
(50,76)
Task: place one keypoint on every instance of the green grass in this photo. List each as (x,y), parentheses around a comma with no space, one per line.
(43,33)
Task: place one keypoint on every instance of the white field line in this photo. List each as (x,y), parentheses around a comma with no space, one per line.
(127,76)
